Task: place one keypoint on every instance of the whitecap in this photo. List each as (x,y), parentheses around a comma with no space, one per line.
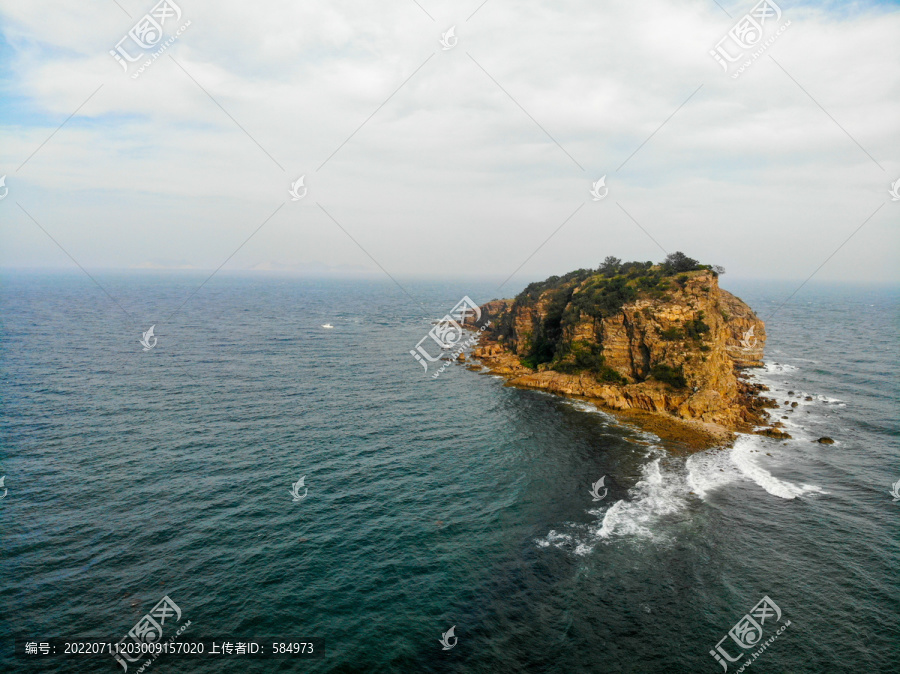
(663,490)
(772,368)
(582,406)
(658,493)
(750,469)
(710,470)
(556,539)
(591,408)
(652,497)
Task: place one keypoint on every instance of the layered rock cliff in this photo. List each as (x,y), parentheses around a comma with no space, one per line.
(634,337)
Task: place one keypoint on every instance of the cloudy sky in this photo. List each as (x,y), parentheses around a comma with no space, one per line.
(451,162)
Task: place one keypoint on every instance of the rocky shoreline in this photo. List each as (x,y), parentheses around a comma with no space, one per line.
(686,434)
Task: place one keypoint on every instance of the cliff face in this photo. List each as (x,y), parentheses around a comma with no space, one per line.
(671,344)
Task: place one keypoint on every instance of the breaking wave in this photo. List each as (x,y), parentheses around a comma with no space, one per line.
(652,497)
(707,471)
(666,485)
(658,493)
(776,368)
(664,491)
(750,469)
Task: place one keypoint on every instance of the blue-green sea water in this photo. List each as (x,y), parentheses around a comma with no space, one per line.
(431,503)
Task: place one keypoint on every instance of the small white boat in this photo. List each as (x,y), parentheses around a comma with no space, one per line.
(328,326)
(446,347)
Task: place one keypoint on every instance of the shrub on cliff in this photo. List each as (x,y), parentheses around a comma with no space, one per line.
(696,328)
(584,357)
(671,334)
(604,298)
(635,269)
(533,291)
(673,376)
(610,376)
(546,338)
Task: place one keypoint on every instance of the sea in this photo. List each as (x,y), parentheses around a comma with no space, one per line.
(443,524)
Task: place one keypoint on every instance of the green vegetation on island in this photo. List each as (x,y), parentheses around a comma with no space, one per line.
(599,294)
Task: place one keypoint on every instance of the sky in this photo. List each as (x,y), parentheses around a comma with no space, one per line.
(475,156)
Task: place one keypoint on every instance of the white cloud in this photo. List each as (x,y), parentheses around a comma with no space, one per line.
(451,176)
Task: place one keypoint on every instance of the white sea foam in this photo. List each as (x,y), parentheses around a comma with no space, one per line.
(591,408)
(795,427)
(655,495)
(665,486)
(773,368)
(658,493)
(664,490)
(710,470)
(582,406)
(781,391)
(557,540)
(741,456)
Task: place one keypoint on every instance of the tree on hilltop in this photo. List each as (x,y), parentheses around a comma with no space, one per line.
(610,266)
(678,262)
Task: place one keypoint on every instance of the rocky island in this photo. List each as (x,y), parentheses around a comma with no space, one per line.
(661,343)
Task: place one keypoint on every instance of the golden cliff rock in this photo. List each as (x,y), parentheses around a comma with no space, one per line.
(655,341)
